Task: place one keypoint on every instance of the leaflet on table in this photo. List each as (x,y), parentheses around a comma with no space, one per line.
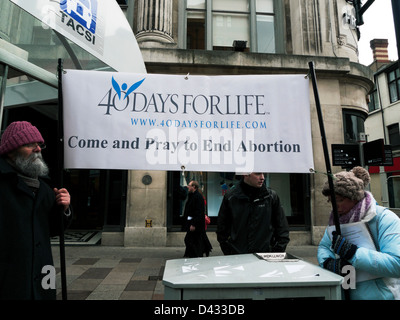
(357,233)
(276,256)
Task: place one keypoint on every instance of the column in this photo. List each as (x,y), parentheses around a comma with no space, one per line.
(154,21)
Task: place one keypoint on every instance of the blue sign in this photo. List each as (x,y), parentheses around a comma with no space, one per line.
(83,11)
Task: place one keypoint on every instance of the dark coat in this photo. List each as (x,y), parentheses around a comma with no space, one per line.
(196,242)
(195,208)
(252,225)
(26,225)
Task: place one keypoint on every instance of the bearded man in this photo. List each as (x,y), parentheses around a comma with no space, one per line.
(29,214)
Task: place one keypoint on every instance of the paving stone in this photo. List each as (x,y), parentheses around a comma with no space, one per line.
(136,295)
(84,284)
(95,273)
(129,260)
(105,295)
(141,285)
(86,261)
(75,295)
(117,278)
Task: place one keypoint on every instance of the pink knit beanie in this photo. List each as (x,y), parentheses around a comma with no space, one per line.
(17,134)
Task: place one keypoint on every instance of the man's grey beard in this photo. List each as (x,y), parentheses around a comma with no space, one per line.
(33,166)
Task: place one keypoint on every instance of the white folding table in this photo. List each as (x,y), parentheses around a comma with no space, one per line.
(248,277)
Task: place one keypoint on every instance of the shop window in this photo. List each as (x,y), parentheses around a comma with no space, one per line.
(42,36)
(293,190)
(98,198)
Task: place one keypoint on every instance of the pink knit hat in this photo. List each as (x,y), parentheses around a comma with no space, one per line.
(17,134)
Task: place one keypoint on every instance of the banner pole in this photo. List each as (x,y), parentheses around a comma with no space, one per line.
(60,162)
(325,147)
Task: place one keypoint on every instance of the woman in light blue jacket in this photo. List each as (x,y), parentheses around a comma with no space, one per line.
(377,267)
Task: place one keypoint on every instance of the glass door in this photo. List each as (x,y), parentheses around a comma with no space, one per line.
(98,198)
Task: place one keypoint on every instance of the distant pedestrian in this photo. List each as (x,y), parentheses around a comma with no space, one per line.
(29,214)
(196,240)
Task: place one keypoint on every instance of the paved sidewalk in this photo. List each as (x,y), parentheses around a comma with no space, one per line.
(125,273)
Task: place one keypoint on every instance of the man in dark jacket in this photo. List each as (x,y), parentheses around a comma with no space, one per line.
(251,219)
(29,215)
(196,240)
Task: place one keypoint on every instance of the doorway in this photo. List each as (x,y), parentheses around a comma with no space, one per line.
(98,198)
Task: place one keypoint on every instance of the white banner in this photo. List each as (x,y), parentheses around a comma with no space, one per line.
(257,123)
(98,26)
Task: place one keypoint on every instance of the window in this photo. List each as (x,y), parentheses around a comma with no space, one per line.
(394,85)
(393,183)
(265,26)
(353,125)
(230,21)
(196,19)
(293,190)
(394,136)
(374,101)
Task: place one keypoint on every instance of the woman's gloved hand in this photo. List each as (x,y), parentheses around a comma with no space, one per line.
(342,247)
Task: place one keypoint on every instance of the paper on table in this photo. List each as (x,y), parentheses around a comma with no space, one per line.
(359,234)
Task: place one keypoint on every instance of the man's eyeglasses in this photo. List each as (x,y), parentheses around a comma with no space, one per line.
(34,146)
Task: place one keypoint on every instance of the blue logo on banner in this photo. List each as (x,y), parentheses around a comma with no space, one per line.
(123,88)
(83,11)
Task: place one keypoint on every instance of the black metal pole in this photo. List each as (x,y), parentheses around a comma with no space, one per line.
(60,135)
(325,147)
(366,6)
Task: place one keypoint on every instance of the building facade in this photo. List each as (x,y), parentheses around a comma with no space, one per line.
(200,37)
(383,123)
